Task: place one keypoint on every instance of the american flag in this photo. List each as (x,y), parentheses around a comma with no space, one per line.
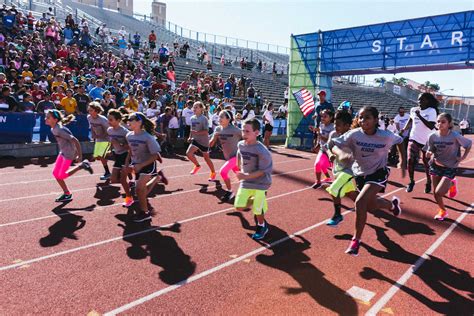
(305,101)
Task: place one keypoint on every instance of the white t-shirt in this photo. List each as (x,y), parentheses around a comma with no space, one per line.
(381,124)
(152,112)
(392,128)
(249,116)
(283,109)
(463,124)
(269,117)
(187,113)
(402,122)
(419,131)
(173,122)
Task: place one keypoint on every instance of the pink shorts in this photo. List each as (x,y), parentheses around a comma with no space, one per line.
(322,163)
(60,167)
(230,164)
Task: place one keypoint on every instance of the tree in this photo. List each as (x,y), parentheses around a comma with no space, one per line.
(400,81)
(434,86)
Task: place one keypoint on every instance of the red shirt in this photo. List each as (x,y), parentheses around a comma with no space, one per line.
(62,53)
(38,95)
(57,97)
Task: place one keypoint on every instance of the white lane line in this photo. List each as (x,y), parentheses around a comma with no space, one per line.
(409,273)
(224,265)
(95,187)
(360,293)
(117,204)
(212,270)
(57,254)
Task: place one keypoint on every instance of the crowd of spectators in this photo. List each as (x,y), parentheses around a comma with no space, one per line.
(47,67)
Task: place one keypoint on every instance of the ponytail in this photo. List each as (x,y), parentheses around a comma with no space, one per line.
(61,118)
(147,124)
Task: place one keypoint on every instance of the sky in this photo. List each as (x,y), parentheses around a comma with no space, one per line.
(272,21)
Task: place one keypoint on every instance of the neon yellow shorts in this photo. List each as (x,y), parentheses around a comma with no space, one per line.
(100,149)
(259,205)
(343,184)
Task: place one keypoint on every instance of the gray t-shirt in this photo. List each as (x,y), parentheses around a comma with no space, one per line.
(325,130)
(447,149)
(99,126)
(200,123)
(119,135)
(370,151)
(64,138)
(253,158)
(229,137)
(338,165)
(142,146)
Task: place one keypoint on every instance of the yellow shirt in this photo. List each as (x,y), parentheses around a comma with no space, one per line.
(133,106)
(57,83)
(69,105)
(25,74)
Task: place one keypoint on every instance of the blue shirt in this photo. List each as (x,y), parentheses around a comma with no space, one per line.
(227,89)
(68,33)
(8,21)
(96,93)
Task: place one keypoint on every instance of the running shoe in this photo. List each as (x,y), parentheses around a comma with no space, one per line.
(453,190)
(396,208)
(106,176)
(142,217)
(317,185)
(428,187)
(64,198)
(442,214)
(261,232)
(86,165)
(195,169)
(128,201)
(163,179)
(229,195)
(335,220)
(354,247)
(212,176)
(410,186)
(327,180)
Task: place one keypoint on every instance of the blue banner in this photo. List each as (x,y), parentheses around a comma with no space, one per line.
(16,128)
(429,43)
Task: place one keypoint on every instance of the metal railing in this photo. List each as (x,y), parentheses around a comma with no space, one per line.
(213,38)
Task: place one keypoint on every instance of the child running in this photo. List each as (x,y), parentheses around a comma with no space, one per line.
(344,179)
(322,163)
(228,136)
(255,162)
(69,150)
(422,123)
(199,140)
(99,125)
(144,150)
(444,147)
(117,135)
(370,147)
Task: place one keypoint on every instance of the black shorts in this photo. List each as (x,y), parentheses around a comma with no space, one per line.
(268,128)
(202,148)
(379,177)
(148,170)
(441,171)
(120,160)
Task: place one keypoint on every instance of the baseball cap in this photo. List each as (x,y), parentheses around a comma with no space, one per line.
(321,92)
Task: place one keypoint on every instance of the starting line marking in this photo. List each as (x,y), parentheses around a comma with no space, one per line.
(412,269)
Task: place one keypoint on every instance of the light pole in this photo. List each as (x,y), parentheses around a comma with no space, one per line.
(445,90)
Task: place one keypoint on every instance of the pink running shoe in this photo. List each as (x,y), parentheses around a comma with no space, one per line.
(195,169)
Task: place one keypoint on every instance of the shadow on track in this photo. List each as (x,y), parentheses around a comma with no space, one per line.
(66,227)
(437,274)
(162,250)
(289,257)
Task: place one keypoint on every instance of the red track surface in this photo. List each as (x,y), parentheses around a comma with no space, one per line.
(86,257)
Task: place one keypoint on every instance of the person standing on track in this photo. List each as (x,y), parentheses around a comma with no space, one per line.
(322,163)
(117,136)
(199,140)
(255,163)
(99,125)
(69,150)
(228,136)
(444,149)
(422,123)
(268,124)
(369,148)
(144,150)
(343,176)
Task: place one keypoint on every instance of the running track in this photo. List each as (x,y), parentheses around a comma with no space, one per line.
(198,258)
